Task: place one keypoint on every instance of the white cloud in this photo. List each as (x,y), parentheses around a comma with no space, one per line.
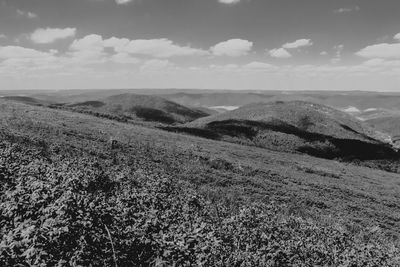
(50,35)
(27,14)
(123,2)
(346,10)
(89,42)
(124,58)
(15,60)
(88,50)
(229,2)
(7,52)
(298,43)
(397,37)
(232,48)
(383,50)
(279,53)
(160,48)
(225,68)
(258,66)
(3,36)
(116,43)
(156,65)
(323,53)
(338,53)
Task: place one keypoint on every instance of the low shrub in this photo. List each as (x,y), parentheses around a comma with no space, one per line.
(80,212)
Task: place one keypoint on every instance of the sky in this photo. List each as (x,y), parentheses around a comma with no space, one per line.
(200,44)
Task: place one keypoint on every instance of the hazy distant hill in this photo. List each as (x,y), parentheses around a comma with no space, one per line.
(213,98)
(386,121)
(389,124)
(147,108)
(26,100)
(307,116)
(294,126)
(340,100)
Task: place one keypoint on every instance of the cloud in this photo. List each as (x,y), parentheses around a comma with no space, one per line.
(298,43)
(156,65)
(383,50)
(27,14)
(258,66)
(229,2)
(123,2)
(397,37)
(338,53)
(224,68)
(232,48)
(283,51)
(7,52)
(124,58)
(50,35)
(279,53)
(89,42)
(346,10)
(89,49)
(15,60)
(3,36)
(379,62)
(160,48)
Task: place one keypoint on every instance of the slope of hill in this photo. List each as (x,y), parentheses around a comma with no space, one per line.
(73,199)
(295,126)
(26,100)
(388,124)
(339,99)
(147,108)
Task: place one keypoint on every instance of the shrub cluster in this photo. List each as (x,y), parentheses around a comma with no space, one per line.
(79,212)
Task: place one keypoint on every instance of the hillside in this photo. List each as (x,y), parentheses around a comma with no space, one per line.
(26,100)
(389,124)
(153,187)
(340,100)
(147,108)
(295,126)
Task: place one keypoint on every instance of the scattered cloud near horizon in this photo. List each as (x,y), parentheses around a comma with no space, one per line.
(346,10)
(229,2)
(298,44)
(232,48)
(26,14)
(279,53)
(50,35)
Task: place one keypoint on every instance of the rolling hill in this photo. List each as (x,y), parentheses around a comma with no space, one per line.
(144,107)
(295,126)
(389,124)
(27,100)
(180,199)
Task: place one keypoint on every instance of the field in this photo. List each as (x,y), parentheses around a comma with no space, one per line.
(139,195)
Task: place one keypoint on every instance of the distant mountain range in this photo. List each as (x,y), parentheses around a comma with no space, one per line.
(316,123)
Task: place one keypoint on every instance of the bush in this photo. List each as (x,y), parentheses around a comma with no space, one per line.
(80,212)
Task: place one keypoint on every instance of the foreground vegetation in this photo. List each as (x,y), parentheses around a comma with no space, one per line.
(76,213)
(69,199)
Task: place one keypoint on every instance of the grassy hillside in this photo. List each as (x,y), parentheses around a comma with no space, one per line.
(297,127)
(387,124)
(70,197)
(147,108)
(308,116)
(341,100)
(26,100)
